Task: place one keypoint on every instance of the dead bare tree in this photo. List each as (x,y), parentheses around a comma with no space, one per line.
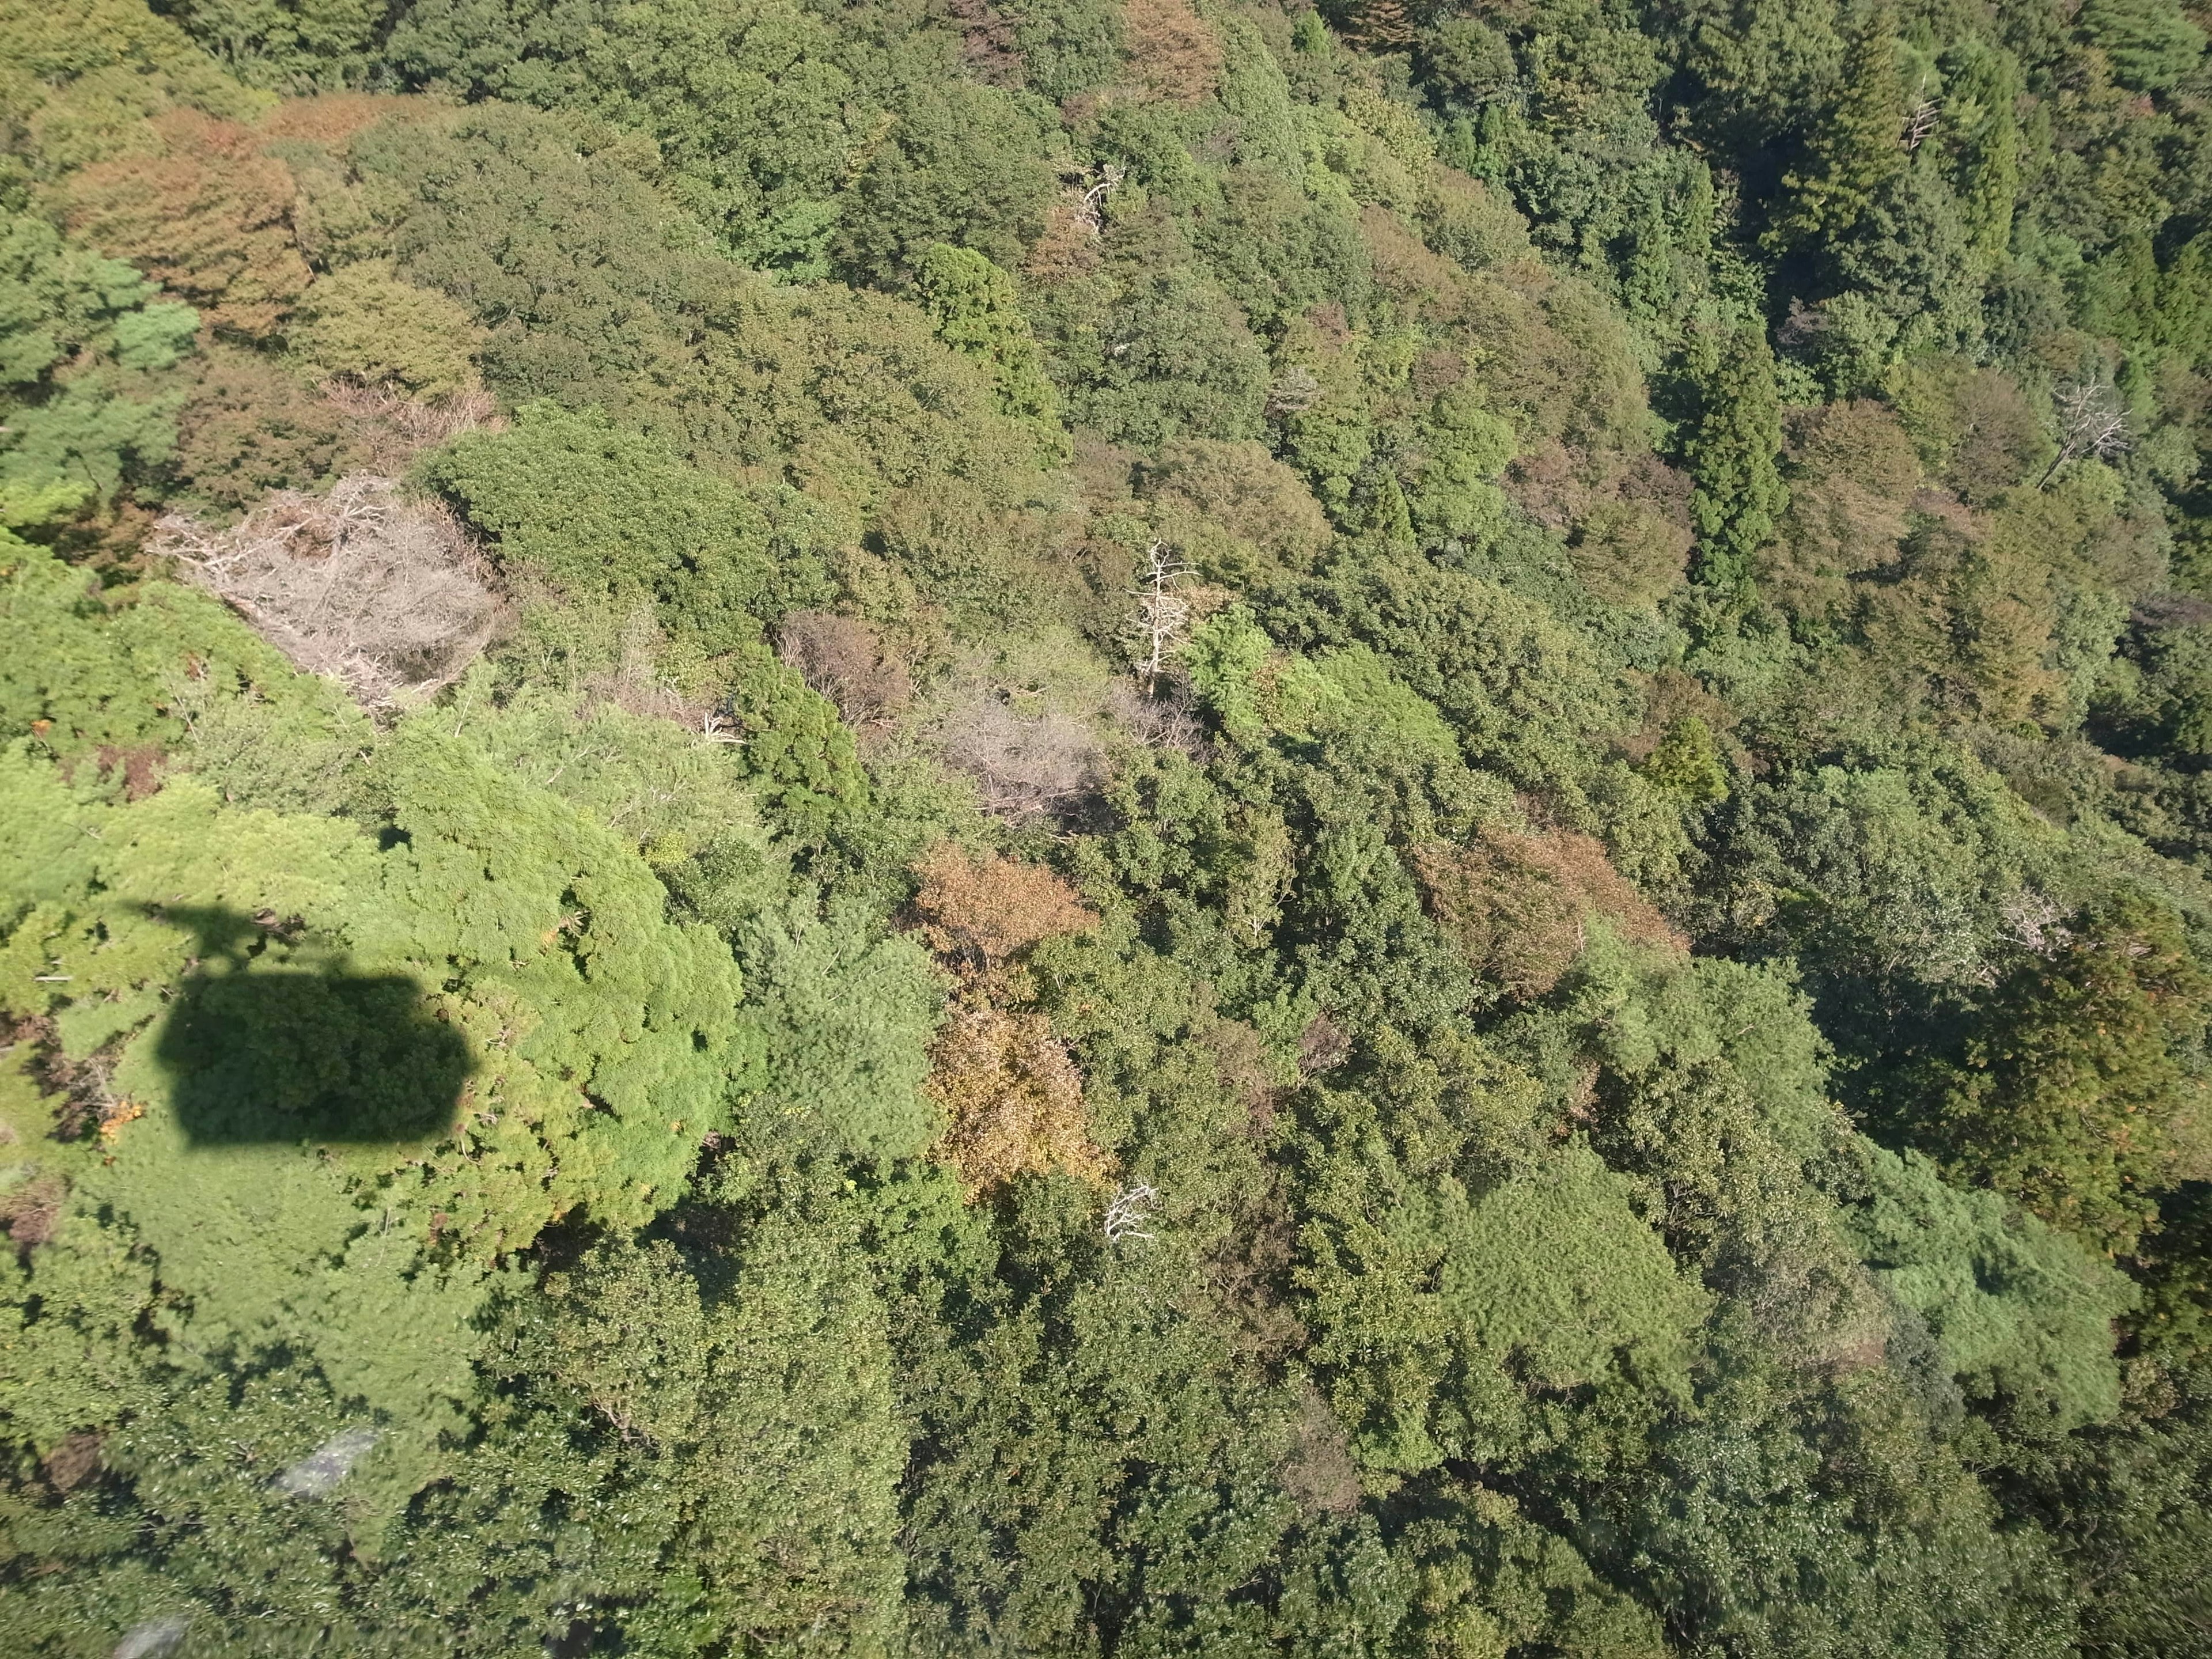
(2091,422)
(1163,614)
(1921,119)
(386,596)
(1167,720)
(1091,212)
(1129,1213)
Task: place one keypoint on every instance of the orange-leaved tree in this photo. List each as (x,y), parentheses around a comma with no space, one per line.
(209,217)
(1012,1096)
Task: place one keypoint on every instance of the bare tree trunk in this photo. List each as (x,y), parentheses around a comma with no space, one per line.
(1163,614)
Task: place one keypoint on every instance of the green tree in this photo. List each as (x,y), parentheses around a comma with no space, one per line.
(1068,46)
(362,321)
(2021,1316)
(79,337)
(1857,149)
(603,512)
(978,312)
(594,285)
(1733,455)
(2073,1075)
(1687,760)
(1982,86)
(2151,43)
(847,1016)
(294,45)
(1446,1320)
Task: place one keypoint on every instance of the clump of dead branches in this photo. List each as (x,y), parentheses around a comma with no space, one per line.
(1021,762)
(845,660)
(386,596)
(390,428)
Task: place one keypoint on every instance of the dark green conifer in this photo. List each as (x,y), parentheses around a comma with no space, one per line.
(1856,149)
(1735,460)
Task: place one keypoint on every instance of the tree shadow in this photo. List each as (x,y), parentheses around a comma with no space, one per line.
(304,1051)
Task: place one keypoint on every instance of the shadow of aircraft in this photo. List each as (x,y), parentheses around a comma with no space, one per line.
(303,1051)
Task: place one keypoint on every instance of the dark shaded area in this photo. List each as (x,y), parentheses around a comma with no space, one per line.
(295,1049)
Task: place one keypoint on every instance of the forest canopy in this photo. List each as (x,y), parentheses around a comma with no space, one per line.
(1106,828)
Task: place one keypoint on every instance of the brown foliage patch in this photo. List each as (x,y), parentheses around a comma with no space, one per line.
(209,218)
(1380,26)
(1011,1096)
(1547,352)
(1550,352)
(1012,1100)
(1323,1046)
(843,658)
(1405,267)
(79,1088)
(1461,220)
(139,765)
(1241,1056)
(1171,49)
(1632,542)
(1671,695)
(250,425)
(1207,490)
(2000,443)
(73,1462)
(1319,1475)
(1104,472)
(1251,1276)
(334,117)
(980,914)
(1519,903)
(1975,428)
(1068,247)
(32,1209)
(1627,516)
(987,43)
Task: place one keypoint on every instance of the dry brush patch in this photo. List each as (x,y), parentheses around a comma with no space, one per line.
(384,595)
(392,427)
(1012,1100)
(846,660)
(1023,765)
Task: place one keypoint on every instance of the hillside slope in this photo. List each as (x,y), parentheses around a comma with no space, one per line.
(1105,827)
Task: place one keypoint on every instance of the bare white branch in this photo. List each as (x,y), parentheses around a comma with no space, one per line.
(1127,1215)
(2091,422)
(1091,211)
(318,1473)
(2034,922)
(1295,391)
(1163,614)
